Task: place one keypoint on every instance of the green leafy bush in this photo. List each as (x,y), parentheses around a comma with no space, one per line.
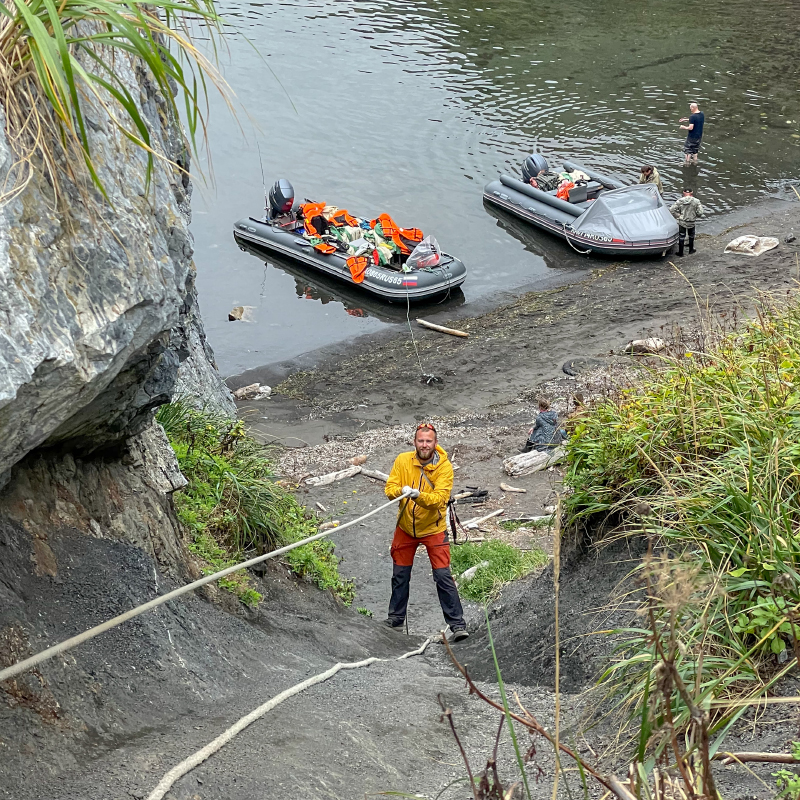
(704,456)
(506,563)
(234,510)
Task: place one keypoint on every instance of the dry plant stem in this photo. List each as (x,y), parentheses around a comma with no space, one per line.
(448,714)
(530,722)
(556,579)
(764,758)
(672,673)
(697,715)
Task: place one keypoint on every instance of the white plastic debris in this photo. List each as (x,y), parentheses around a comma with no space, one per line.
(751,245)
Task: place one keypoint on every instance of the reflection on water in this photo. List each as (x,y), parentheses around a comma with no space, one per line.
(556,253)
(411,107)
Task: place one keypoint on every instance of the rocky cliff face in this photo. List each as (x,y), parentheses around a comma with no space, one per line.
(96,298)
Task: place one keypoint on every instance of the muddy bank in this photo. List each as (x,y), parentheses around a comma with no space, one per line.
(375,382)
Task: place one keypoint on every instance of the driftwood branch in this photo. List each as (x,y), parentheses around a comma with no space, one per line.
(764,758)
(374,473)
(473,523)
(331,477)
(442,329)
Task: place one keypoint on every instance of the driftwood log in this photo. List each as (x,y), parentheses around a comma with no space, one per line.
(331,477)
(535,461)
(374,473)
(442,329)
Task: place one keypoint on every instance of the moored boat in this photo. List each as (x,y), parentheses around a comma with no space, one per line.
(379,257)
(594,213)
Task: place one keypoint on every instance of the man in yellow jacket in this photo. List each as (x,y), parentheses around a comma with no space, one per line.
(426,474)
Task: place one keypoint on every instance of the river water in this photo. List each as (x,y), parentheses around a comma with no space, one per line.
(411,107)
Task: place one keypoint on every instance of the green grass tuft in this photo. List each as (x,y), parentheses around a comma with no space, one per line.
(234,510)
(506,563)
(55,56)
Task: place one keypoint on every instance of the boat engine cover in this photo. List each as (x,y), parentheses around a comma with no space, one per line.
(281,197)
(533,165)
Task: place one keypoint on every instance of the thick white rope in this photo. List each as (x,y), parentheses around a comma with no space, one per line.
(68,644)
(188,764)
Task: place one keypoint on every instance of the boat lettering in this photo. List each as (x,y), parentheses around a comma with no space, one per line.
(597,237)
(376,273)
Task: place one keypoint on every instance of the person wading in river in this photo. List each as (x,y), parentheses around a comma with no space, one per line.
(694,132)
(427,475)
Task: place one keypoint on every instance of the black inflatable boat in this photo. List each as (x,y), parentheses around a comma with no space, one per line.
(601,215)
(284,233)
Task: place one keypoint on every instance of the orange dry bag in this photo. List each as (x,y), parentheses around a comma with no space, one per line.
(563,190)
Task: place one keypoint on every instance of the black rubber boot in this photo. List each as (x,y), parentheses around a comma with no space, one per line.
(681,240)
(691,241)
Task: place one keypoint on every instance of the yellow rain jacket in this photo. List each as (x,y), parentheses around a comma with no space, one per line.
(428,513)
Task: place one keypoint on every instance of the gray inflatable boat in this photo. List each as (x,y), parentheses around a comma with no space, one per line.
(602,215)
(281,232)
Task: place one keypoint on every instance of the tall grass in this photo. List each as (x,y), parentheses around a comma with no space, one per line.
(57,56)
(232,506)
(707,450)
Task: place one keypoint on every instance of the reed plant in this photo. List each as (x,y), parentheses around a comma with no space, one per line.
(57,57)
(704,458)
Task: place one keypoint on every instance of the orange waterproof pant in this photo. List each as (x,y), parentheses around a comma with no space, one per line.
(404,548)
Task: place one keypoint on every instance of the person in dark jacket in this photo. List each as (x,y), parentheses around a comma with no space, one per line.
(545,433)
(686,210)
(694,132)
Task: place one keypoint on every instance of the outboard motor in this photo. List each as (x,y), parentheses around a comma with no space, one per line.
(281,198)
(532,166)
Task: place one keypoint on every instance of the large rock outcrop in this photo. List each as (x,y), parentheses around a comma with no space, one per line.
(95,298)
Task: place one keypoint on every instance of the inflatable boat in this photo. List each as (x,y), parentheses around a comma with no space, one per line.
(385,266)
(316,286)
(595,213)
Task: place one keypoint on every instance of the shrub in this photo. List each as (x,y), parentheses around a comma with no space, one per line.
(53,56)
(707,449)
(232,507)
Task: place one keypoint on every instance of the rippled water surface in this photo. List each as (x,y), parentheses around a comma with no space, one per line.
(411,107)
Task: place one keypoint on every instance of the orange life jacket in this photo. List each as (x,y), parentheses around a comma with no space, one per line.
(343,217)
(358,267)
(563,190)
(402,237)
(324,248)
(309,211)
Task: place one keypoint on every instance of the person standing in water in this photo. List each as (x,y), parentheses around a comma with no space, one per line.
(694,132)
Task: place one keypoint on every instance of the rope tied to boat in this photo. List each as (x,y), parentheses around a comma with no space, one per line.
(569,242)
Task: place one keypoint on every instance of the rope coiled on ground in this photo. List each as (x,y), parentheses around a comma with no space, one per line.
(188,764)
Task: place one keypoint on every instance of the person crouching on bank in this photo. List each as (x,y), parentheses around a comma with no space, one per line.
(427,474)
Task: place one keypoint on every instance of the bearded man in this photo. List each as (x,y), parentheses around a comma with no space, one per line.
(426,475)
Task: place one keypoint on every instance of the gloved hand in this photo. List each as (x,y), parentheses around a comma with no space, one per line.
(412,493)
